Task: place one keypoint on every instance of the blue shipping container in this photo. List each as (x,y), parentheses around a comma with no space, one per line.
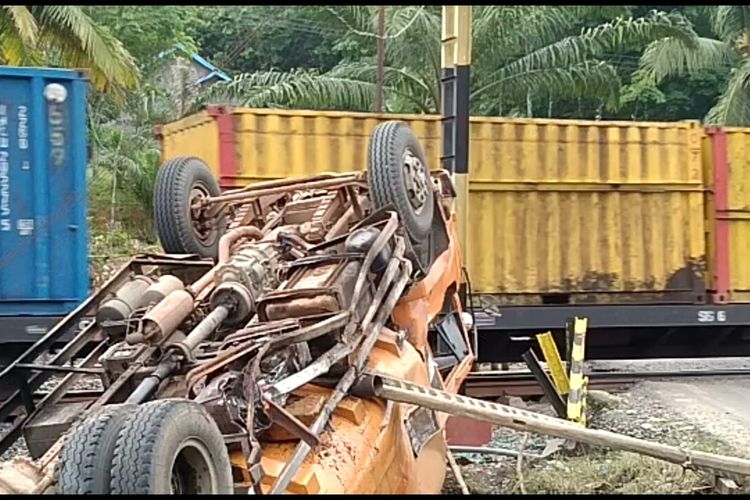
(43,224)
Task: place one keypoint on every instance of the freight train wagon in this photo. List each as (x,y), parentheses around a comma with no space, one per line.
(44,272)
(641,227)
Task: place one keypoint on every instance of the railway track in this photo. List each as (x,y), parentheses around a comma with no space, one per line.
(495,384)
(70,397)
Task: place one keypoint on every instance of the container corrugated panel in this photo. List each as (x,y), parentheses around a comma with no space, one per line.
(196,135)
(584,209)
(43,225)
(272,144)
(587,209)
(707,159)
(738,212)
(282,144)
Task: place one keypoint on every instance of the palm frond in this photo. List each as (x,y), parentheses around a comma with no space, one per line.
(593,79)
(18,34)
(615,36)
(353,17)
(304,89)
(82,43)
(733,106)
(21,21)
(510,31)
(367,71)
(418,38)
(730,21)
(410,19)
(409,85)
(669,57)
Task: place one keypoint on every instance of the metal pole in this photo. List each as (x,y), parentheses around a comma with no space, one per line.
(462,54)
(380,60)
(526,421)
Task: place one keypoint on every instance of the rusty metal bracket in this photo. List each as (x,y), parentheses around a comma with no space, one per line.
(289,422)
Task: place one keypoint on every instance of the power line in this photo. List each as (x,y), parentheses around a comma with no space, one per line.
(242,44)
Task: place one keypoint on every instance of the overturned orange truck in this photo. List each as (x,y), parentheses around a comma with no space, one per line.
(241,360)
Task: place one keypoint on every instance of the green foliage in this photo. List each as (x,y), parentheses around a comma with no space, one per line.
(642,93)
(521,54)
(66,36)
(123,170)
(724,50)
(245,39)
(294,89)
(589,61)
(147,31)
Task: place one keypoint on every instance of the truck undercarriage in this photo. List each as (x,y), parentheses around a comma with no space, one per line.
(237,360)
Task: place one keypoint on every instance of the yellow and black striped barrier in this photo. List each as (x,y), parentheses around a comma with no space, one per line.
(561,383)
(577,396)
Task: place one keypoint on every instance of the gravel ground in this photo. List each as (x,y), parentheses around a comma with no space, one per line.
(85,382)
(644,365)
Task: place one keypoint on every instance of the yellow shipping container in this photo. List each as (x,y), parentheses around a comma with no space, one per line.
(561,211)
(729,159)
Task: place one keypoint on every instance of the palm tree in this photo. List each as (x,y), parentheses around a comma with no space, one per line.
(520,54)
(63,35)
(728,49)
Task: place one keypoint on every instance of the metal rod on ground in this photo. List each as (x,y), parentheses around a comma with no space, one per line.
(489,451)
(526,421)
(380,60)
(457,473)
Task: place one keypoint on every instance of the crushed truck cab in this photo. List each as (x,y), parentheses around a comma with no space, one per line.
(242,358)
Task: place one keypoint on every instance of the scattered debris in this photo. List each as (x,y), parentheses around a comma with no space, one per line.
(519,463)
(726,487)
(457,473)
(587,470)
(604,399)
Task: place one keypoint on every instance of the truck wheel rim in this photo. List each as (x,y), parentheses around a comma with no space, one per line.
(416,180)
(193,471)
(202,226)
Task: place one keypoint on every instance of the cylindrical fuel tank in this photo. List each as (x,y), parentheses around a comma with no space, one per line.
(126,299)
(163,287)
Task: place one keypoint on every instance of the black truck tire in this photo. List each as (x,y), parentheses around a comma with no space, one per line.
(171,446)
(394,183)
(179,181)
(86,455)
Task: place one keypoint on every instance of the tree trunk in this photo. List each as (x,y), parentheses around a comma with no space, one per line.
(529,107)
(380,60)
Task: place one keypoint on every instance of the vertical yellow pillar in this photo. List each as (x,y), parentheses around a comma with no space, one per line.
(456,77)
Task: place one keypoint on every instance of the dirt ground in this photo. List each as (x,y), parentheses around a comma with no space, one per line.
(708,414)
